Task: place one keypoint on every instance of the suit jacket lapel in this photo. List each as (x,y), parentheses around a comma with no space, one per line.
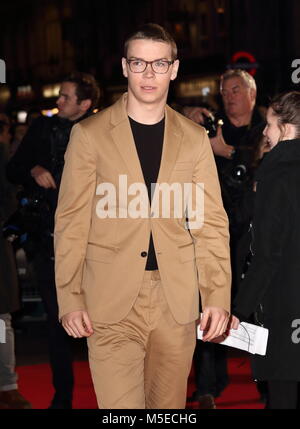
(172,141)
(123,139)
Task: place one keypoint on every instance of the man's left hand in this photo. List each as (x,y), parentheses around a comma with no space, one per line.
(214,322)
(220,147)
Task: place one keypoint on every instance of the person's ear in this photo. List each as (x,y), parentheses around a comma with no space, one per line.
(175,67)
(289,131)
(85,104)
(253,94)
(124,67)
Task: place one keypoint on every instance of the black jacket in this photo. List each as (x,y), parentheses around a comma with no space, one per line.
(241,138)
(44,144)
(9,291)
(271,287)
(234,186)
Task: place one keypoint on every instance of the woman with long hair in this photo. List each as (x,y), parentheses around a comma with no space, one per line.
(271,288)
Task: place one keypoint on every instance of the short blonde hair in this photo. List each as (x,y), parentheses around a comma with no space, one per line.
(154,32)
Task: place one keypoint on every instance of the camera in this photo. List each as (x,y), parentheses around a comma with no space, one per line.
(211,125)
(29,222)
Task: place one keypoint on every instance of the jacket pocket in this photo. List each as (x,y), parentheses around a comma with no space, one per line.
(187,252)
(96,252)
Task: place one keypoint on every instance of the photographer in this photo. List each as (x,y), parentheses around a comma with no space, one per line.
(233,143)
(10,397)
(38,165)
(233,147)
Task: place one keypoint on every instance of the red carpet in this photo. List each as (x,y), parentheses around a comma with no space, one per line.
(35,385)
(241,393)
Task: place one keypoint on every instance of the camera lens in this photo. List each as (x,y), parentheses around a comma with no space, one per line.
(239,173)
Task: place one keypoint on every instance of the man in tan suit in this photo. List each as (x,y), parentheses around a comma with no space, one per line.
(129,263)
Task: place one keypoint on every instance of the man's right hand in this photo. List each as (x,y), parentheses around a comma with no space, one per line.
(234,322)
(196,114)
(43,177)
(77,324)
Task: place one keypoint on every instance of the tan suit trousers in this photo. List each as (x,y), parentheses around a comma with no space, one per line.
(143,361)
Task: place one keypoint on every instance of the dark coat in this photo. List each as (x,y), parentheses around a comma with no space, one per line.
(272,284)
(44,144)
(9,296)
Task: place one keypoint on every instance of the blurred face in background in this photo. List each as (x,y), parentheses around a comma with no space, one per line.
(274,133)
(67,102)
(238,98)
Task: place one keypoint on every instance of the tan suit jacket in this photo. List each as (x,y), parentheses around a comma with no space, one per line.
(99,262)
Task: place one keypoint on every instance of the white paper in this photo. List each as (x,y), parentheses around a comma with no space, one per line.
(249,337)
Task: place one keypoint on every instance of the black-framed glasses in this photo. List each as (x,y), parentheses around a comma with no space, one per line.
(158,66)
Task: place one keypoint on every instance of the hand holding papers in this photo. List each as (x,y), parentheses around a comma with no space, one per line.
(249,337)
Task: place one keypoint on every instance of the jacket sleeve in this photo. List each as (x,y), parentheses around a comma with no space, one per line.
(19,167)
(211,237)
(2,185)
(271,212)
(8,202)
(72,221)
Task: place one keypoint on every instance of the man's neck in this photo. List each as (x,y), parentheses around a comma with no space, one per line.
(240,120)
(145,113)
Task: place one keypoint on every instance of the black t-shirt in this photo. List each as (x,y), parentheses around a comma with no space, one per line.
(149,143)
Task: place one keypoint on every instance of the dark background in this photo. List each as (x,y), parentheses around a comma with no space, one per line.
(42,41)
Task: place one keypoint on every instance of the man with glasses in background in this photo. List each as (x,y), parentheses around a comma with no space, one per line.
(131,283)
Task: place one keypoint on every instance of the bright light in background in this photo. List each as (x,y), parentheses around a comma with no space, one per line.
(24,91)
(198,86)
(4,93)
(50,112)
(51,90)
(22,115)
(205,91)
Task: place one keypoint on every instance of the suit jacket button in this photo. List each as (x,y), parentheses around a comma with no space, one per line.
(144,254)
